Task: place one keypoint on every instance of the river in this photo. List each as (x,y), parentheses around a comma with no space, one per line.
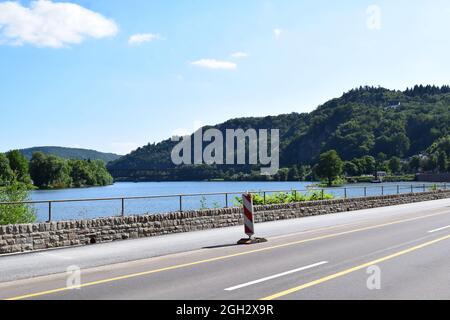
(84,210)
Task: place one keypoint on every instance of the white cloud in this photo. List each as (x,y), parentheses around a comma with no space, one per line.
(142,37)
(277,33)
(239,55)
(48,24)
(215,64)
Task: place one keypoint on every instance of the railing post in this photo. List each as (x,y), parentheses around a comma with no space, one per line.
(323,194)
(365,191)
(295,195)
(398,189)
(264,198)
(424,188)
(345,193)
(382,190)
(122,212)
(181,203)
(226,200)
(412,189)
(49,211)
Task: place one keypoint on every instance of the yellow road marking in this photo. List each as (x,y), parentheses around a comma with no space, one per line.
(345,272)
(134,275)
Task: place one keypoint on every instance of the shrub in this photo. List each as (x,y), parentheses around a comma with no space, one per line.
(15,214)
(289,197)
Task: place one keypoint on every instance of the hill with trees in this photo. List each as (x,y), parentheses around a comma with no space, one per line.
(51,172)
(369,128)
(71,153)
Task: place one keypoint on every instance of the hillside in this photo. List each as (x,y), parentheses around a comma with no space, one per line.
(364,121)
(71,153)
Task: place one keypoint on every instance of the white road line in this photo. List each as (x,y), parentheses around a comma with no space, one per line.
(440,229)
(276,276)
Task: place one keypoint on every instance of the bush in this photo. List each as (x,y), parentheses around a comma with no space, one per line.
(15,214)
(283,197)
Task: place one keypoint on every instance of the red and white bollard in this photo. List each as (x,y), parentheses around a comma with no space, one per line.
(249,221)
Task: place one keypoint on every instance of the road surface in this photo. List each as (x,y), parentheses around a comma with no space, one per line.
(398,252)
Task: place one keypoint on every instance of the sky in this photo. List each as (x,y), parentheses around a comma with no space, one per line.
(114,75)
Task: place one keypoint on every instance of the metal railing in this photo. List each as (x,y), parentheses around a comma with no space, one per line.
(345,193)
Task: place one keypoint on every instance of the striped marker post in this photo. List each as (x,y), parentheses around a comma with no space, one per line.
(249,223)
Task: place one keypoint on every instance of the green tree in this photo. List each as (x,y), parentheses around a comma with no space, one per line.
(15,214)
(330,166)
(415,164)
(89,173)
(81,174)
(442,162)
(366,164)
(102,176)
(6,174)
(395,165)
(430,163)
(293,174)
(49,171)
(351,169)
(38,169)
(19,166)
(442,144)
(283,174)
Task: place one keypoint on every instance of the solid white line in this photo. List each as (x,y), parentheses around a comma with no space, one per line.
(440,229)
(276,276)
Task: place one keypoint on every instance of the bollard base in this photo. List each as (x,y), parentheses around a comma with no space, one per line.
(248,241)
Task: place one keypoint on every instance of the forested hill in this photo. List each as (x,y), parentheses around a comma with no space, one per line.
(364,121)
(71,153)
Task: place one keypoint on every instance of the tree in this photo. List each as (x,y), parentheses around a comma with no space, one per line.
(15,214)
(330,166)
(442,161)
(304,172)
(102,176)
(38,170)
(49,171)
(351,169)
(395,165)
(89,173)
(81,173)
(414,163)
(6,174)
(293,174)
(430,163)
(19,166)
(442,144)
(367,165)
(283,174)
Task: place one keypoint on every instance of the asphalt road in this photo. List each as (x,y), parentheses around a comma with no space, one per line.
(399,252)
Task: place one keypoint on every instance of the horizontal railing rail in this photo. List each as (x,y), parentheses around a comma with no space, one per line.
(346,194)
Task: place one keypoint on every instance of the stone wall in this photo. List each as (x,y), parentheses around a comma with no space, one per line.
(28,237)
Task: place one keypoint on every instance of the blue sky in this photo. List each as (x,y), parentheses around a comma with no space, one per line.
(85,81)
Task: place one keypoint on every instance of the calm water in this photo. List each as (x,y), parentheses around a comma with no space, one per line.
(83,210)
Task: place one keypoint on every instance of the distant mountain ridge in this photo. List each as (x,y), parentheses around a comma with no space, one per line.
(363,121)
(71,153)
